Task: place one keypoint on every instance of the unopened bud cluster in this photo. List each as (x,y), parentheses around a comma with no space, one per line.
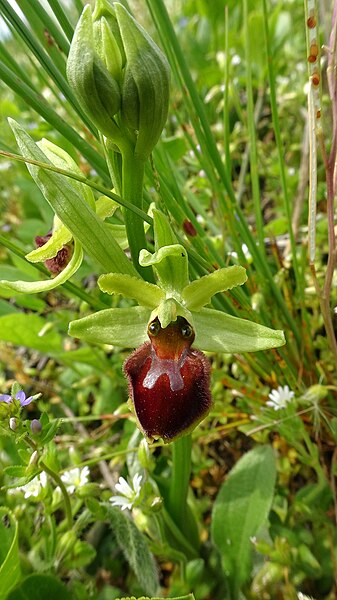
(120,77)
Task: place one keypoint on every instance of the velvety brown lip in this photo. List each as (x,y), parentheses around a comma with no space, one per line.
(168,383)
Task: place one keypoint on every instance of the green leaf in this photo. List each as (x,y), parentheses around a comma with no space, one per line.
(199,292)
(35,287)
(134,547)
(241,508)
(146,294)
(126,327)
(72,209)
(40,587)
(9,552)
(60,158)
(25,330)
(218,332)
(171,266)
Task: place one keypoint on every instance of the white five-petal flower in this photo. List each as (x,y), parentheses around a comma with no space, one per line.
(75,478)
(129,493)
(280,398)
(34,487)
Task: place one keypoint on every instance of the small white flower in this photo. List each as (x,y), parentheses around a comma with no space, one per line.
(34,487)
(129,493)
(279,398)
(75,478)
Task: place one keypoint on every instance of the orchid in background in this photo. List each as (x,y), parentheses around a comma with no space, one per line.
(168,375)
(60,250)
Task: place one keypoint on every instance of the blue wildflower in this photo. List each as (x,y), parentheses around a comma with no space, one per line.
(21,396)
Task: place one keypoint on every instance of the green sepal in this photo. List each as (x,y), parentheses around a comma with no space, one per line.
(95,89)
(35,287)
(171,266)
(107,47)
(60,238)
(126,327)
(72,210)
(104,12)
(219,332)
(163,234)
(146,294)
(199,292)
(145,93)
(60,158)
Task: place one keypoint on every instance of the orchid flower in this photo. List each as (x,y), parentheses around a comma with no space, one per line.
(168,377)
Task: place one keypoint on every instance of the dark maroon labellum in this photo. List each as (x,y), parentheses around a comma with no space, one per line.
(169,381)
(56,264)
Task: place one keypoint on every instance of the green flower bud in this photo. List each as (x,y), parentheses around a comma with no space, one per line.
(145,91)
(107,38)
(95,88)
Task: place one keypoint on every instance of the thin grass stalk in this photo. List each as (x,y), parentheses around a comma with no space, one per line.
(48,24)
(280,147)
(48,34)
(228,161)
(46,63)
(37,102)
(328,159)
(62,18)
(252,137)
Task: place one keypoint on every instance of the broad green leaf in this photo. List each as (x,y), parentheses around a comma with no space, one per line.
(126,327)
(72,210)
(241,508)
(146,294)
(9,552)
(134,547)
(35,287)
(171,266)
(26,329)
(60,158)
(40,587)
(199,292)
(218,332)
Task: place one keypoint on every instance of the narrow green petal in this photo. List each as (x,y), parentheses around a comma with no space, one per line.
(145,293)
(60,237)
(219,332)
(199,292)
(126,327)
(35,287)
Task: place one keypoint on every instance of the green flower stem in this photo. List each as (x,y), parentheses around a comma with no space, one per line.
(132,192)
(177,499)
(55,476)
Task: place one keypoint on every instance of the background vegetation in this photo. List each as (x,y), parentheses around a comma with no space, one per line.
(232,171)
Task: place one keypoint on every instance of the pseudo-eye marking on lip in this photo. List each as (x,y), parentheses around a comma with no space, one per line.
(165,366)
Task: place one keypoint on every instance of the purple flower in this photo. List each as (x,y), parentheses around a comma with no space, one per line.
(21,396)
